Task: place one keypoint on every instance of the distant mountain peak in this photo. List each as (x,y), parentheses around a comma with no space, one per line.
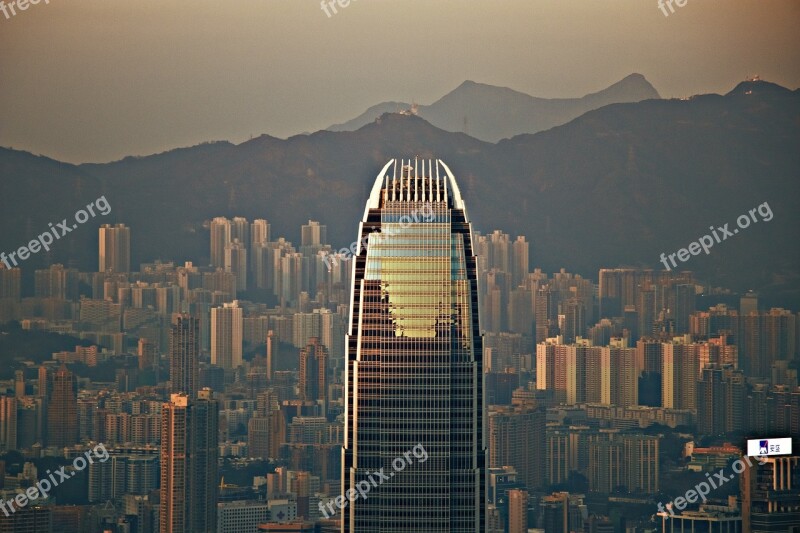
(491,113)
(631,86)
(756,85)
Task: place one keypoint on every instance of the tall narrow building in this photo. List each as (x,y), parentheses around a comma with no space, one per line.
(114,254)
(313,382)
(227,329)
(62,409)
(189,472)
(184,336)
(414,359)
(220,229)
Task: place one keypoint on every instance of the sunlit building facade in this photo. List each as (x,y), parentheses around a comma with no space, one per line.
(414,359)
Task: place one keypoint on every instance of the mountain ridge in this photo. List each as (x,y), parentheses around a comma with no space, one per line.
(617,186)
(491,113)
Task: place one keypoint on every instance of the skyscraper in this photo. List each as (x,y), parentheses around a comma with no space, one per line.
(189,477)
(770,494)
(8,423)
(10,283)
(517,511)
(184,336)
(62,410)
(227,328)
(414,359)
(236,263)
(313,233)
(313,383)
(146,353)
(115,248)
(220,229)
(721,393)
(513,433)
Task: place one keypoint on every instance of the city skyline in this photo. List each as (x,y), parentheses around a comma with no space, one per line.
(299,328)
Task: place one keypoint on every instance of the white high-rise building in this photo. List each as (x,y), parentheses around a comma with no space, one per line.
(227,329)
(220,238)
(236,262)
(313,233)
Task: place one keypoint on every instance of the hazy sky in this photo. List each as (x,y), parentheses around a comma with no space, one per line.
(95,80)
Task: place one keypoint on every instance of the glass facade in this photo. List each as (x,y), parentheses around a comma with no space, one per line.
(414,363)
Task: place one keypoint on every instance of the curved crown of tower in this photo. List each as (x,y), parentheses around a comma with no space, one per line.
(417,180)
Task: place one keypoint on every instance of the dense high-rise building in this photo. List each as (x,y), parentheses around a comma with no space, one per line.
(62,409)
(236,262)
(31,421)
(680,370)
(568,369)
(19,383)
(618,288)
(555,512)
(260,232)
(10,283)
(623,376)
(146,354)
(240,230)
(292,278)
(684,307)
(748,303)
(227,328)
(8,423)
(414,360)
(770,494)
(764,338)
(545,313)
(772,411)
(718,321)
(645,313)
(313,234)
(56,282)
(517,511)
(260,235)
(572,319)
(30,518)
(521,255)
(721,394)
(184,354)
(546,364)
(623,461)
(220,237)
(189,477)
(313,383)
(115,248)
(513,432)
(305,326)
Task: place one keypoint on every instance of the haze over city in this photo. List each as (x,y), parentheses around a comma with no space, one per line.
(95,81)
(424,266)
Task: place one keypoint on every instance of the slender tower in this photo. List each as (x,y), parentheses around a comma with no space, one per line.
(414,360)
(189,471)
